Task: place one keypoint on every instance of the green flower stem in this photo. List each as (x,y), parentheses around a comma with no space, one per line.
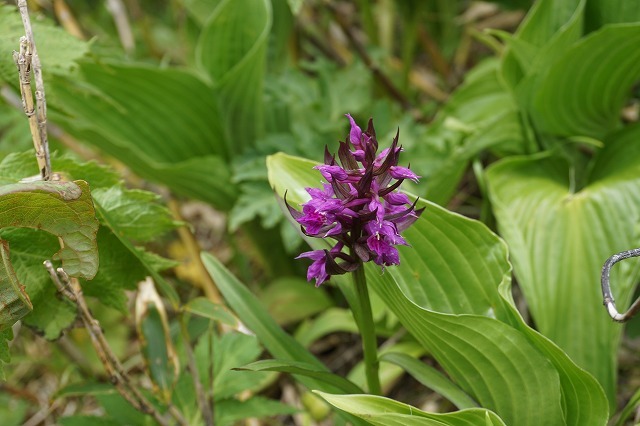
(368,332)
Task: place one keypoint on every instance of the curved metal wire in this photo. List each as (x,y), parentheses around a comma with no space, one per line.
(609,302)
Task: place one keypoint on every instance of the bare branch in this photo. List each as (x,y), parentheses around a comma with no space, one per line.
(27,60)
(70,288)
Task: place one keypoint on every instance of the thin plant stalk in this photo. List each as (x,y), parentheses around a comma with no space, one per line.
(70,288)
(28,61)
(368,332)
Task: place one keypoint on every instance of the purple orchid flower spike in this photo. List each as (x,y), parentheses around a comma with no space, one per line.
(359,207)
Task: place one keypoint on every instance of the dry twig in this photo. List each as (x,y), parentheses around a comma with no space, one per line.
(70,288)
(28,61)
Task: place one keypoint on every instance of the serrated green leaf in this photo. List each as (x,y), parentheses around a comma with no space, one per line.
(230,411)
(135,214)
(559,239)
(232,51)
(452,293)
(303,369)
(63,209)
(57,49)
(382,411)
(29,248)
(229,351)
(129,264)
(19,165)
(255,201)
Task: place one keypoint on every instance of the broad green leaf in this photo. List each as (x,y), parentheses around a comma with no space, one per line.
(560,237)
(257,319)
(451,291)
(165,124)
(602,12)
(200,10)
(548,28)
(232,51)
(57,49)
(480,115)
(291,299)
(583,92)
(382,411)
(330,321)
(205,308)
(303,369)
(431,378)
(390,373)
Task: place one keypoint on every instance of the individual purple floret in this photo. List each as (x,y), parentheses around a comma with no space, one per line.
(359,206)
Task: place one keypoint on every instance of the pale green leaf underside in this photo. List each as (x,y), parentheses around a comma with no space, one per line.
(382,411)
(560,239)
(448,292)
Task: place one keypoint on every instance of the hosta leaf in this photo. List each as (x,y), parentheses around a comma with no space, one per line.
(480,115)
(559,239)
(387,412)
(548,28)
(431,378)
(232,51)
(602,12)
(592,80)
(179,140)
(451,292)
